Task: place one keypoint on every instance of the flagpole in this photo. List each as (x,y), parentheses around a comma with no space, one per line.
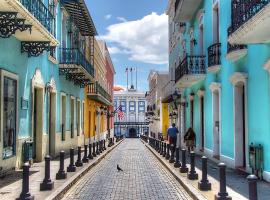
(127,77)
(136,79)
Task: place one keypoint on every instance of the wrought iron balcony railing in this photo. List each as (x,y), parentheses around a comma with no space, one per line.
(73,56)
(234,47)
(244,10)
(41,12)
(214,53)
(96,88)
(191,65)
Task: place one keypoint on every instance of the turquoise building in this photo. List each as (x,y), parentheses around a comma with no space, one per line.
(220,61)
(46,60)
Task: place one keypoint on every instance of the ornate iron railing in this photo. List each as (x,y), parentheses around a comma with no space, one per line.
(244,10)
(234,47)
(41,12)
(214,54)
(96,88)
(190,65)
(75,57)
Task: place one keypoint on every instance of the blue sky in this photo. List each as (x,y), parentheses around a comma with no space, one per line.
(136,34)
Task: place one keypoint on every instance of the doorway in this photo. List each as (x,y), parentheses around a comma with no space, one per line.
(51,126)
(132,133)
(216,124)
(72,119)
(37,124)
(240,125)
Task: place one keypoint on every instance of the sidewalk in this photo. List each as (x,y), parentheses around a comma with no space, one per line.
(237,185)
(11,185)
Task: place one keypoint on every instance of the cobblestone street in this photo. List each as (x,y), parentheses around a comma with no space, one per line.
(143,177)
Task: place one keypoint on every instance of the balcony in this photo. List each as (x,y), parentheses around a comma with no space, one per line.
(214,55)
(29,21)
(250,22)
(73,64)
(235,51)
(96,92)
(190,71)
(167,92)
(185,9)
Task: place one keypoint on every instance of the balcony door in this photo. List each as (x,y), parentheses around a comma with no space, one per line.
(215,21)
(216,124)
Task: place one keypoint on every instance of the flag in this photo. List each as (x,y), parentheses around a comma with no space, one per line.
(120,113)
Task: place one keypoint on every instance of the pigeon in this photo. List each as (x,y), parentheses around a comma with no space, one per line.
(118,168)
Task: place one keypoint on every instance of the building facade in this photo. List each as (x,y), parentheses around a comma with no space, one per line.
(46,62)
(133,104)
(220,53)
(157,111)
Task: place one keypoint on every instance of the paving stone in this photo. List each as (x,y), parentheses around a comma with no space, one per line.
(143,177)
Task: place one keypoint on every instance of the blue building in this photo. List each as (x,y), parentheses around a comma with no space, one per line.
(45,63)
(220,58)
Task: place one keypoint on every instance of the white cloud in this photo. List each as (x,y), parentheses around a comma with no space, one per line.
(107,17)
(145,40)
(121,19)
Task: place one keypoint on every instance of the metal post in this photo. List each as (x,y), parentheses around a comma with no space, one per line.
(90,156)
(168,152)
(85,158)
(252,187)
(61,174)
(177,163)
(172,147)
(104,146)
(71,167)
(79,162)
(192,174)
(94,149)
(183,168)
(97,149)
(47,183)
(204,184)
(161,148)
(222,195)
(164,149)
(25,194)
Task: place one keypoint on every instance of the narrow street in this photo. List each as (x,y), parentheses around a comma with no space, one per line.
(143,177)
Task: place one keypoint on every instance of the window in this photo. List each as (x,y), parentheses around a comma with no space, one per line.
(141,106)
(9,116)
(123,105)
(132,106)
(215,21)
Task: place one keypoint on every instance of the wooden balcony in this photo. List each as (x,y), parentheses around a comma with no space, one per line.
(190,71)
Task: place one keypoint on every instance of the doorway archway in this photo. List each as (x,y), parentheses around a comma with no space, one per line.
(132,133)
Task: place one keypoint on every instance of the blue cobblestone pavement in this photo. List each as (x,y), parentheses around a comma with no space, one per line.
(143,177)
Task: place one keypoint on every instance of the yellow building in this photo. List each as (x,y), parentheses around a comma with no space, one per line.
(97,98)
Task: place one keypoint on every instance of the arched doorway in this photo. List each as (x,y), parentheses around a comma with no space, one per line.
(132,133)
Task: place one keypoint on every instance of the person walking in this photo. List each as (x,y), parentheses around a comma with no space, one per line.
(172,136)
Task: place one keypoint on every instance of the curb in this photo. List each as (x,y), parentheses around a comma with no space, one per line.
(61,191)
(189,188)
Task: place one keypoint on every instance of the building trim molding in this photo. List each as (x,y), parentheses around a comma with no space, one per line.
(200,93)
(266,66)
(215,86)
(238,77)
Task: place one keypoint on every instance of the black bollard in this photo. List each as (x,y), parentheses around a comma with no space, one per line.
(90,156)
(94,149)
(25,194)
(168,152)
(61,174)
(97,148)
(71,167)
(252,187)
(158,146)
(161,148)
(177,163)
(222,195)
(192,174)
(101,146)
(204,184)
(104,145)
(164,149)
(79,162)
(85,157)
(172,153)
(47,183)
(183,168)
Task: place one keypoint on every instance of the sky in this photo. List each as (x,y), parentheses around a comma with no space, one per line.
(136,32)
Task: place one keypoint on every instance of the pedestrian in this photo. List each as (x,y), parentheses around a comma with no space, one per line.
(172,136)
(189,139)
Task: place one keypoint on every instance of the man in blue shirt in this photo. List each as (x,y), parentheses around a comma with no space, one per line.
(172,135)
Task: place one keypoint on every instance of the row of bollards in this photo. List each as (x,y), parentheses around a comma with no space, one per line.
(47,184)
(172,154)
